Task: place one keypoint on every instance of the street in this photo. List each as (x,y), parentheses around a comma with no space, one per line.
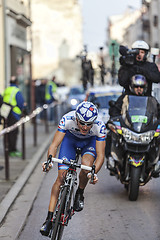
(108,214)
(54,55)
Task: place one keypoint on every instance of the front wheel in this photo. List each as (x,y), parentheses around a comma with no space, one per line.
(58,227)
(133,188)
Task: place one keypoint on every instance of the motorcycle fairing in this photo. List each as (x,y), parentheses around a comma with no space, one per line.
(136,161)
(141,113)
(118,127)
(117,123)
(157,132)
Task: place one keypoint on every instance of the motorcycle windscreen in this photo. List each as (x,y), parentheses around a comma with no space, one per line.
(142,111)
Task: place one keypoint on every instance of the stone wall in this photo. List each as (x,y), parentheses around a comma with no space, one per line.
(56,38)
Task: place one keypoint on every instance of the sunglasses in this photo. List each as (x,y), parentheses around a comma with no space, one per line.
(85,124)
(135,86)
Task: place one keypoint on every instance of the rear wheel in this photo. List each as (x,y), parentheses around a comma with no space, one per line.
(133,188)
(58,227)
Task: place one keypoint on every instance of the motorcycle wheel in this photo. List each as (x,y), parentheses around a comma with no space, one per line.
(133,188)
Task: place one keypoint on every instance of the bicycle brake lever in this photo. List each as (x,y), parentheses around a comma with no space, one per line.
(92,173)
(49,160)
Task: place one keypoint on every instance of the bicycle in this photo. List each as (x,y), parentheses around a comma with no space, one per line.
(64,208)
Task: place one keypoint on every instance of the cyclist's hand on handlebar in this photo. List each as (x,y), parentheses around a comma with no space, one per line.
(46,166)
(95,179)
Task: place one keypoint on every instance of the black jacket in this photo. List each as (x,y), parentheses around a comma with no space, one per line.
(115,110)
(148,69)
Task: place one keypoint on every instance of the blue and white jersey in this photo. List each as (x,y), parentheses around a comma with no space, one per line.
(68,125)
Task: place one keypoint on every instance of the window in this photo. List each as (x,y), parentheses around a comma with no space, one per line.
(155,21)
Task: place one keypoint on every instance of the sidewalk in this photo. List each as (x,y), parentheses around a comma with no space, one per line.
(20,170)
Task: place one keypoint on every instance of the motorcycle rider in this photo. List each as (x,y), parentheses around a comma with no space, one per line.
(139,66)
(138,86)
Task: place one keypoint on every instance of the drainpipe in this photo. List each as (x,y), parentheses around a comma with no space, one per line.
(5,41)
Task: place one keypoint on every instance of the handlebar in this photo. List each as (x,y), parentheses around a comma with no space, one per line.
(71,164)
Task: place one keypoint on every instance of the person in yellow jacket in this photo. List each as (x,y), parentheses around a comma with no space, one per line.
(50,90)
(13,96)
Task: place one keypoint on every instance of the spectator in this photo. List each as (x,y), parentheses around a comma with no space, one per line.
(87,72)
(13,96)
(50,91)
(40,97)
(1,101)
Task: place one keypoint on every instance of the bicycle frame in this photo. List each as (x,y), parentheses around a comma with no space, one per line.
(70,182)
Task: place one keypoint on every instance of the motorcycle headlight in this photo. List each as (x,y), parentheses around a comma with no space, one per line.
(133,137)
(74,101)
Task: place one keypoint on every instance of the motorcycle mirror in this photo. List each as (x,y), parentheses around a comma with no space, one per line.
(97,105)
(154,52)
(112,103)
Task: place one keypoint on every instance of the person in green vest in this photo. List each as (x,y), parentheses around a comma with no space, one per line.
(13,96)
(1,101)
(50,91)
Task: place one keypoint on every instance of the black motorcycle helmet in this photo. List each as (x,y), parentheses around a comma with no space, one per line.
(138,81)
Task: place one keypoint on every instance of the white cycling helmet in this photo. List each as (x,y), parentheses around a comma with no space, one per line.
(86,112)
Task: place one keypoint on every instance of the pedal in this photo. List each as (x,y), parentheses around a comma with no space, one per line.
(72,212)
(112,173)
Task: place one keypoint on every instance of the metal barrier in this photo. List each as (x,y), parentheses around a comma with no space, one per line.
(22,122)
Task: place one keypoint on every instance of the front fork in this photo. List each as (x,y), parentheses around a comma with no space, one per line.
(136,161)
(139,161)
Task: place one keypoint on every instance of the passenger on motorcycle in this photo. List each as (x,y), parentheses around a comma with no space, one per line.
(77,129)
(139,66)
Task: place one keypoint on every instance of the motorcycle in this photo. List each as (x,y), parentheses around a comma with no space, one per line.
(135,148)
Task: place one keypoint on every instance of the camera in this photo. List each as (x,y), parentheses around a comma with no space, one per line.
(128,55)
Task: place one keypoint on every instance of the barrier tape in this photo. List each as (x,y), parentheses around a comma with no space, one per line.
(27,118)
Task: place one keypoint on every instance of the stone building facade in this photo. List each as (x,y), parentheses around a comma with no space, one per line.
(56,39)
(14,55)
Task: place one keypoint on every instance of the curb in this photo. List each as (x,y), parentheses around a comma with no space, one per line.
(21,181)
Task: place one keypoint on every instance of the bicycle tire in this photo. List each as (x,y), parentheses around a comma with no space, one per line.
(67,206)
(58,228)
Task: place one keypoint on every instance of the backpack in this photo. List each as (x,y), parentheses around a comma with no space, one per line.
(5,110)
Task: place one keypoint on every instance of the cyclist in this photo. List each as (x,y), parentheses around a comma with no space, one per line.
(80,128)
